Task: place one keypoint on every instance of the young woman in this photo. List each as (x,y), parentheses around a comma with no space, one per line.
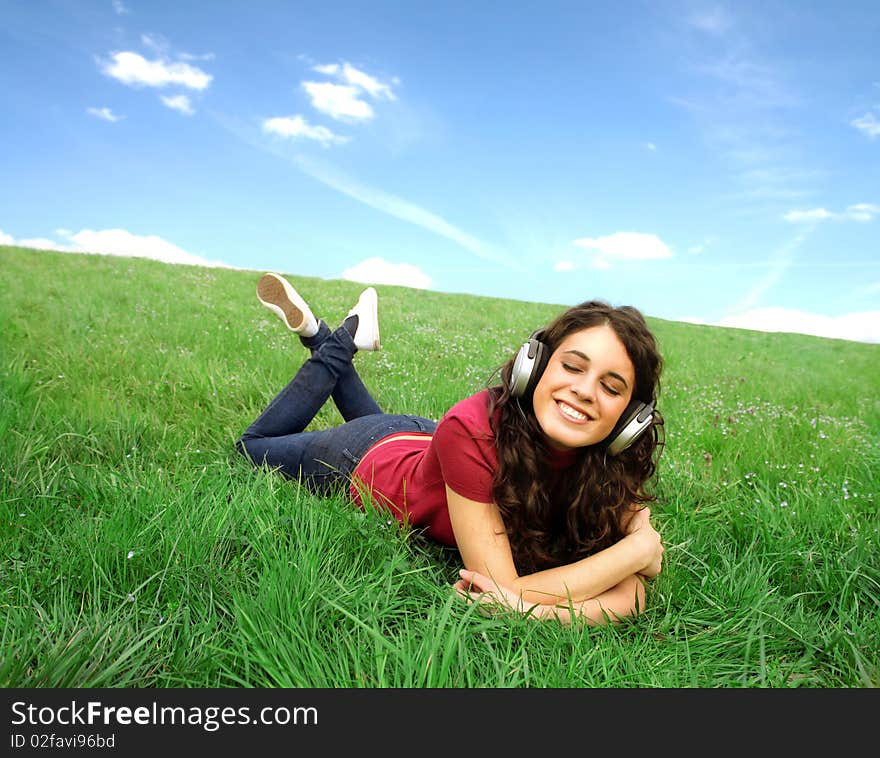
(539,482)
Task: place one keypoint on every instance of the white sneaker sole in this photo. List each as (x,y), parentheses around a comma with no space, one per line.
(279,297)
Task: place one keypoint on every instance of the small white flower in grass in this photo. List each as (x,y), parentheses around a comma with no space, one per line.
(22,514)
(129,597)
(130,554)
(784,504)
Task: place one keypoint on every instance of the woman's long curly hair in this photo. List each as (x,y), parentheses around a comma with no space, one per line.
(587,510)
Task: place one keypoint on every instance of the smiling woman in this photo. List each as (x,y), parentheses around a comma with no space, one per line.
(539,482)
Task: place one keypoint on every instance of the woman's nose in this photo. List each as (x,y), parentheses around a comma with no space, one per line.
(584,386)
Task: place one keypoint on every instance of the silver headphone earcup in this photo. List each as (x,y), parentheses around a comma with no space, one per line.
(634,422)
(521,373)
(527,367)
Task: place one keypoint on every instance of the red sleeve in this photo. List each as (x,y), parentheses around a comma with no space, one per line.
(466,450)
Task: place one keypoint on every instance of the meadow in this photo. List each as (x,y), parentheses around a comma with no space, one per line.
(137,549)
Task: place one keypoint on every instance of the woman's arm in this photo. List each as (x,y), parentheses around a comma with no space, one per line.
(621,601)
(485,549)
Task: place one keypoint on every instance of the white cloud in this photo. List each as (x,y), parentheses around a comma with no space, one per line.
(862,212)
(868,125)
(379,271)
(565,266)
(339,101)
(193,57)
(344,101)
(119,7)
(624,246)
(649,146)
(179,103)
(802,217)
(295,127)
(350,75)
(115,242)
(135,70)
(103,113)
(375,88)
(859,327)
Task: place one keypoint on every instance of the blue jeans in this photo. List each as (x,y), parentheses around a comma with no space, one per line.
(323,460)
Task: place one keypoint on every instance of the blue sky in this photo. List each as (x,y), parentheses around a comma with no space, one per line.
(703,161)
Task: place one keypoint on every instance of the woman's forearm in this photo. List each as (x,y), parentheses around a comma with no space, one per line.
(621,601)
(585,579)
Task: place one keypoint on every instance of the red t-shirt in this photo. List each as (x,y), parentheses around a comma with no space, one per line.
(408,472)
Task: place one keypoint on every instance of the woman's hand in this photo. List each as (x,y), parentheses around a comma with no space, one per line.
(639,528)
(477,588)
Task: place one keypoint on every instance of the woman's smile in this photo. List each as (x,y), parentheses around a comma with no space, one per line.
(572,414)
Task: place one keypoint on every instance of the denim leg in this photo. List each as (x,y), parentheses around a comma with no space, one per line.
(277,437)
(324,460)
(328,369)
(350,395)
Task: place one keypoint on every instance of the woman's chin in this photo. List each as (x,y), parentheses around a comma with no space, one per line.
(563,436)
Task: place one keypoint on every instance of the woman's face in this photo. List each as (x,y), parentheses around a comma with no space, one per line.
(585,388)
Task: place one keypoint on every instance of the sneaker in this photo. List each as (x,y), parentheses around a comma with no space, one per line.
(366,335)
(279,297)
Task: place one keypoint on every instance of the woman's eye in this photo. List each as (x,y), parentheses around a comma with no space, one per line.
(611,390)
(572,369)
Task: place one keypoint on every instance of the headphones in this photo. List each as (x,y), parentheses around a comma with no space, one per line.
(529,365)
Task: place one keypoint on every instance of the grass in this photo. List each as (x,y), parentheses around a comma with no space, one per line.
(138,550)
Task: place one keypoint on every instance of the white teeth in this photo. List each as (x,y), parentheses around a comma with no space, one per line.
(571,412)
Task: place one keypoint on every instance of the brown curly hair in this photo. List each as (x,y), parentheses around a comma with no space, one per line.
(586,511)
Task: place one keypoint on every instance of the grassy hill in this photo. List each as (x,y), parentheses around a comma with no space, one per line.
(138,550)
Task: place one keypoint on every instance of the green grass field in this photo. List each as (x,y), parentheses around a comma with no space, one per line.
(139,550)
